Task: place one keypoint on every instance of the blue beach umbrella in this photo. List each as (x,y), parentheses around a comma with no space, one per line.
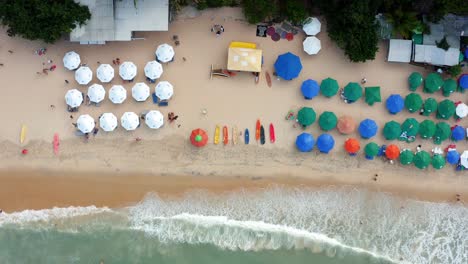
(288,66)
(367,128)
(458,133)
(325,143)
(463,82)
(395,103)
(452,157)
(310,89)
(305,142)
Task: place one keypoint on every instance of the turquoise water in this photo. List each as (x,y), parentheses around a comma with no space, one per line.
(272,226)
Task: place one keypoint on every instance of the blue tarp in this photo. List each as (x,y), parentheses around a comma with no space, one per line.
(325,143)
(395,103)
(368,128)
(305,142)
(464,81)
(310,89)
(288,66)
(458,133)
(453,157)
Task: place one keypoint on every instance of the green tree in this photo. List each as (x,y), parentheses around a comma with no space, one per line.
(403,22)
(259,10)
(454,71)
(295,11)
(47,20)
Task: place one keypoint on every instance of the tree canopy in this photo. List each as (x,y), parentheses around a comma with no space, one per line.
(46,20)
(258,10)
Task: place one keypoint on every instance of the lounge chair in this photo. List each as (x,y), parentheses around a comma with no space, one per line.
(163,103)
(155,98)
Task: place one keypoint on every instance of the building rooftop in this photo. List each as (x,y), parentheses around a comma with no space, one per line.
(400,50)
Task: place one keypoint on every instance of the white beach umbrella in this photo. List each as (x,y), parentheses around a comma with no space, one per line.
(85,123)
(117,94)
(311,45)
(108,122)
(164,90)
(105,73)
(96,93)
(312,26)
(140,92)
(71,60)
(153,70)
(74,98)
(130,121)
(461,110)
(128,70)
(464,159)
(83,75)
(165,53)
(154,119)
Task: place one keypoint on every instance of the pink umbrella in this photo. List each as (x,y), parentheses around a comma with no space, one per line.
(276,37)
(271,31)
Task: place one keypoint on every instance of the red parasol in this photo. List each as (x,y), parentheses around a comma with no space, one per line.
(199,138)
(352,145)
(392,152)
(290,36)
(346,125)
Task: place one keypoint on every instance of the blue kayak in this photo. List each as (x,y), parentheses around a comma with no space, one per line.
(246,136)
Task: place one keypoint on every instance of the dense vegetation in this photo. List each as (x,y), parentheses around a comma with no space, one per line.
(46,20)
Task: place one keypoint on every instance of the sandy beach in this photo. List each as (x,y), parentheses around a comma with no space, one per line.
(114,170)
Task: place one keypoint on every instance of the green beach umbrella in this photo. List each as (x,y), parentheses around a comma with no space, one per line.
(352,91)
(422,159)
(327,121)
(433,83)
(450,86)
(427,129)
(392,130)
(438,161)
(413,102)
(371,150)
(442,132)
(445,109)
(372,95)
(329,87)
(406,157)
(410,126)
(415,80)
(430,106)
(306,116)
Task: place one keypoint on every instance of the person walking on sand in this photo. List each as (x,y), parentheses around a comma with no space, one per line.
(363,80)
(95,131)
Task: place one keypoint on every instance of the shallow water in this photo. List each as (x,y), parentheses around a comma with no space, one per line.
(273,226)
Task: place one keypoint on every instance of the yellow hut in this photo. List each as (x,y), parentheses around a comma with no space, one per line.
(244,56)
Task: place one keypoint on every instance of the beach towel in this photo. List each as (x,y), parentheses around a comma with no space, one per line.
(155,98)
(261,31)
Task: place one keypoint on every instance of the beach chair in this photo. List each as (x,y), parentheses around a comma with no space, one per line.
(163,103)
(217,72)
(155,98)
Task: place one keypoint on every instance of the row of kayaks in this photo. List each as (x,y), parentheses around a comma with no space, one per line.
(259,134)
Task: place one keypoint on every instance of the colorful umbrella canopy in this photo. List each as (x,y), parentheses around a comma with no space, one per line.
(105,73)
(392,130)
(352,145)
(154,119)
(346,125)
(311,45)
(117,94)
(310,89)
(288,66)
(127,71)
(458,133)
(452,157)
(415,80)
(410,126)
(430,105)
(413,102)
(198,137)
(165,53)
(74,98)
(441,133)
(433,83)
(445,109)
(153,70)
(438,161)
(371,150)
(71,60)
(327,121)
(305,142)
(96,93)
(312,26)
(395,103)
(306,116)
(164,90)
(464,159)
(392,152)
(85,123)
(83,75)
(367,128)
(325,143)
(329,87)
(108,122)
(422,159)
(462,110)
(130,121)
(372,95)
(427,129)
(463,82)
(140,92)
(450,86)
(352,91)
(406,157)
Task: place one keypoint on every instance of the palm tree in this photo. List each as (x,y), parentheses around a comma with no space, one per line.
(403,22)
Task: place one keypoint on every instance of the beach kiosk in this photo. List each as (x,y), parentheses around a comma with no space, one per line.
(242,56)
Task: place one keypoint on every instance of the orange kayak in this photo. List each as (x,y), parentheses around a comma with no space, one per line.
(257,130)
(225,135)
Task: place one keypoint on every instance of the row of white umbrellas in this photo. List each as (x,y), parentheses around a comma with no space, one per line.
(312,27)
(117,94)
(129,121)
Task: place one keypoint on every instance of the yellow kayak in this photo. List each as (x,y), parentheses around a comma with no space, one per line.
(235,135)
(217,134)
(23,134)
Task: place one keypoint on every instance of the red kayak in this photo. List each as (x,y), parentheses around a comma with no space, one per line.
(272,133)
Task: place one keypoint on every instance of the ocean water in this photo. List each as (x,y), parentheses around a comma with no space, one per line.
(277,225)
